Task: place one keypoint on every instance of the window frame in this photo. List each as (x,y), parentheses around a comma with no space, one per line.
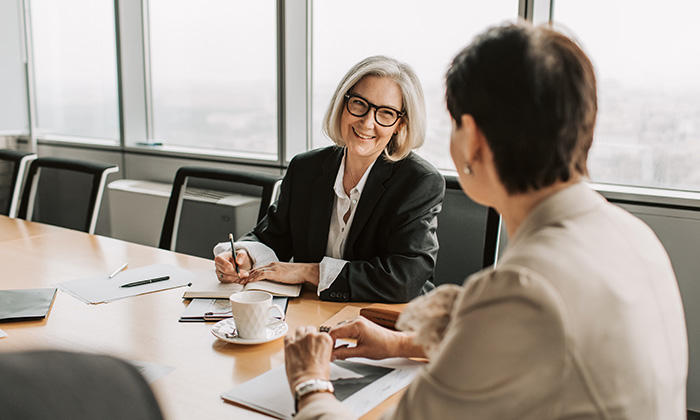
(294,37)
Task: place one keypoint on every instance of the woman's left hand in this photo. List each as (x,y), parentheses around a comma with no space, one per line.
(307,355)
(291,273)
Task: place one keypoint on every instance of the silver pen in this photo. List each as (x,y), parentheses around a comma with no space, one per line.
(119,270)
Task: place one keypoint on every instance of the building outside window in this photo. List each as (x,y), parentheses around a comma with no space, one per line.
(75,70)
(213,74)
(647,60)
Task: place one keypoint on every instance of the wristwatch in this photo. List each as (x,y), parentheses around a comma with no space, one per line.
(311,386)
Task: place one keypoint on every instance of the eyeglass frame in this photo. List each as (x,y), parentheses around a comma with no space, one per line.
(370,105)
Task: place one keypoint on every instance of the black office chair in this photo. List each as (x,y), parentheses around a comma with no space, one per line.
(468,235)
(65,192)
(13,165)
(67,385)
(208,203)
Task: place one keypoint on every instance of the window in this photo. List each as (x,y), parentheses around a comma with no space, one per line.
(425,35)
(647,60)
(75,70)
(213,67)
(13,101)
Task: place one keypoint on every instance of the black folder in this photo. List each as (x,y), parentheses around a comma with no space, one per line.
(25,304)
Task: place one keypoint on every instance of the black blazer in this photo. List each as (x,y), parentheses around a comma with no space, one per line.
(392,244)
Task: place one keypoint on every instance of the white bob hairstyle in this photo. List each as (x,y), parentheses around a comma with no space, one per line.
(410,134)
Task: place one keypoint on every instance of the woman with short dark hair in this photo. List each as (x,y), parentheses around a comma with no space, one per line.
(581,318)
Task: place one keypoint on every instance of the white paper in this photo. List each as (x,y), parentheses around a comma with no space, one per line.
(338,372)
(269,393)
(151,371)
(3,334)
(207,286)
(101,288)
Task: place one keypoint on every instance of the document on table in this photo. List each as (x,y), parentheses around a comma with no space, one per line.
(100,289)
(151,372)
(206,285)
(3,334)
(361,384)
(200,310)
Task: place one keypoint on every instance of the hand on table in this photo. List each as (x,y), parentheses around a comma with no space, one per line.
(290,273)
(373,341)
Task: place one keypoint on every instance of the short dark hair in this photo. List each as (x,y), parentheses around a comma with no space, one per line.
(532,93)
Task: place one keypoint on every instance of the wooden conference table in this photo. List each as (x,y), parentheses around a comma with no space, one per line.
(142,328)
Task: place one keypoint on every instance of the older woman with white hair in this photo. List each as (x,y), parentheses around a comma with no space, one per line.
(357,220)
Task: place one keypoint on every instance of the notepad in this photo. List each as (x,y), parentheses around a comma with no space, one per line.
(25,304)
(206,285)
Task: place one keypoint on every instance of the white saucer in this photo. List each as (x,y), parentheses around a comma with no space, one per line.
(227,326)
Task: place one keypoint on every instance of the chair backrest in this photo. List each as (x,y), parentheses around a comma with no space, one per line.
(468,235)
(66,385)
(207,203)
(13,165)
(65,192)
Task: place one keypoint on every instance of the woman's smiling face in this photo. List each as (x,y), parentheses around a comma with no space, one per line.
(363,137)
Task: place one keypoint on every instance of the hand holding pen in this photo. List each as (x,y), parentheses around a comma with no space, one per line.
(233,254)
(223,265)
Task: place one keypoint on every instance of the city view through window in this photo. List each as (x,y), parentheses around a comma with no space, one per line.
(647,62)
(214,73)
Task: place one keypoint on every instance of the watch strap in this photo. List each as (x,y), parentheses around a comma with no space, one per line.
(310,386)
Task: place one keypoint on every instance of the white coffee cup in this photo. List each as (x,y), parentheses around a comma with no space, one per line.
(251,313)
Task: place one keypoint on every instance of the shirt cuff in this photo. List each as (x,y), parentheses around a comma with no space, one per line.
(329,268)
(260,254)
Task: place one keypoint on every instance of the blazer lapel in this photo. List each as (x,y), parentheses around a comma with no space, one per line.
(321,205)
(373,191)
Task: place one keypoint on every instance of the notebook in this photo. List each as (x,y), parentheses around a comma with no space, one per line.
(25,304)
(200,310)
(208,286)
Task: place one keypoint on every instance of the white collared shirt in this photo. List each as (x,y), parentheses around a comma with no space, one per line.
(331,265)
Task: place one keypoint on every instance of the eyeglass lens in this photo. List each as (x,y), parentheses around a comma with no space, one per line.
(359,107)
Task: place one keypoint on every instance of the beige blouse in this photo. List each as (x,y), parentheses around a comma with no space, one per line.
(582,319)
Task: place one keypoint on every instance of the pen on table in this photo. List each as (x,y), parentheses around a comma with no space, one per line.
(142,282)
(233,253)
(119,270)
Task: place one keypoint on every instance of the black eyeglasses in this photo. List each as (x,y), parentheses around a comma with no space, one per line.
(383,115)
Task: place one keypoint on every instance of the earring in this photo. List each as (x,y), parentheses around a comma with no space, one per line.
(467,169)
